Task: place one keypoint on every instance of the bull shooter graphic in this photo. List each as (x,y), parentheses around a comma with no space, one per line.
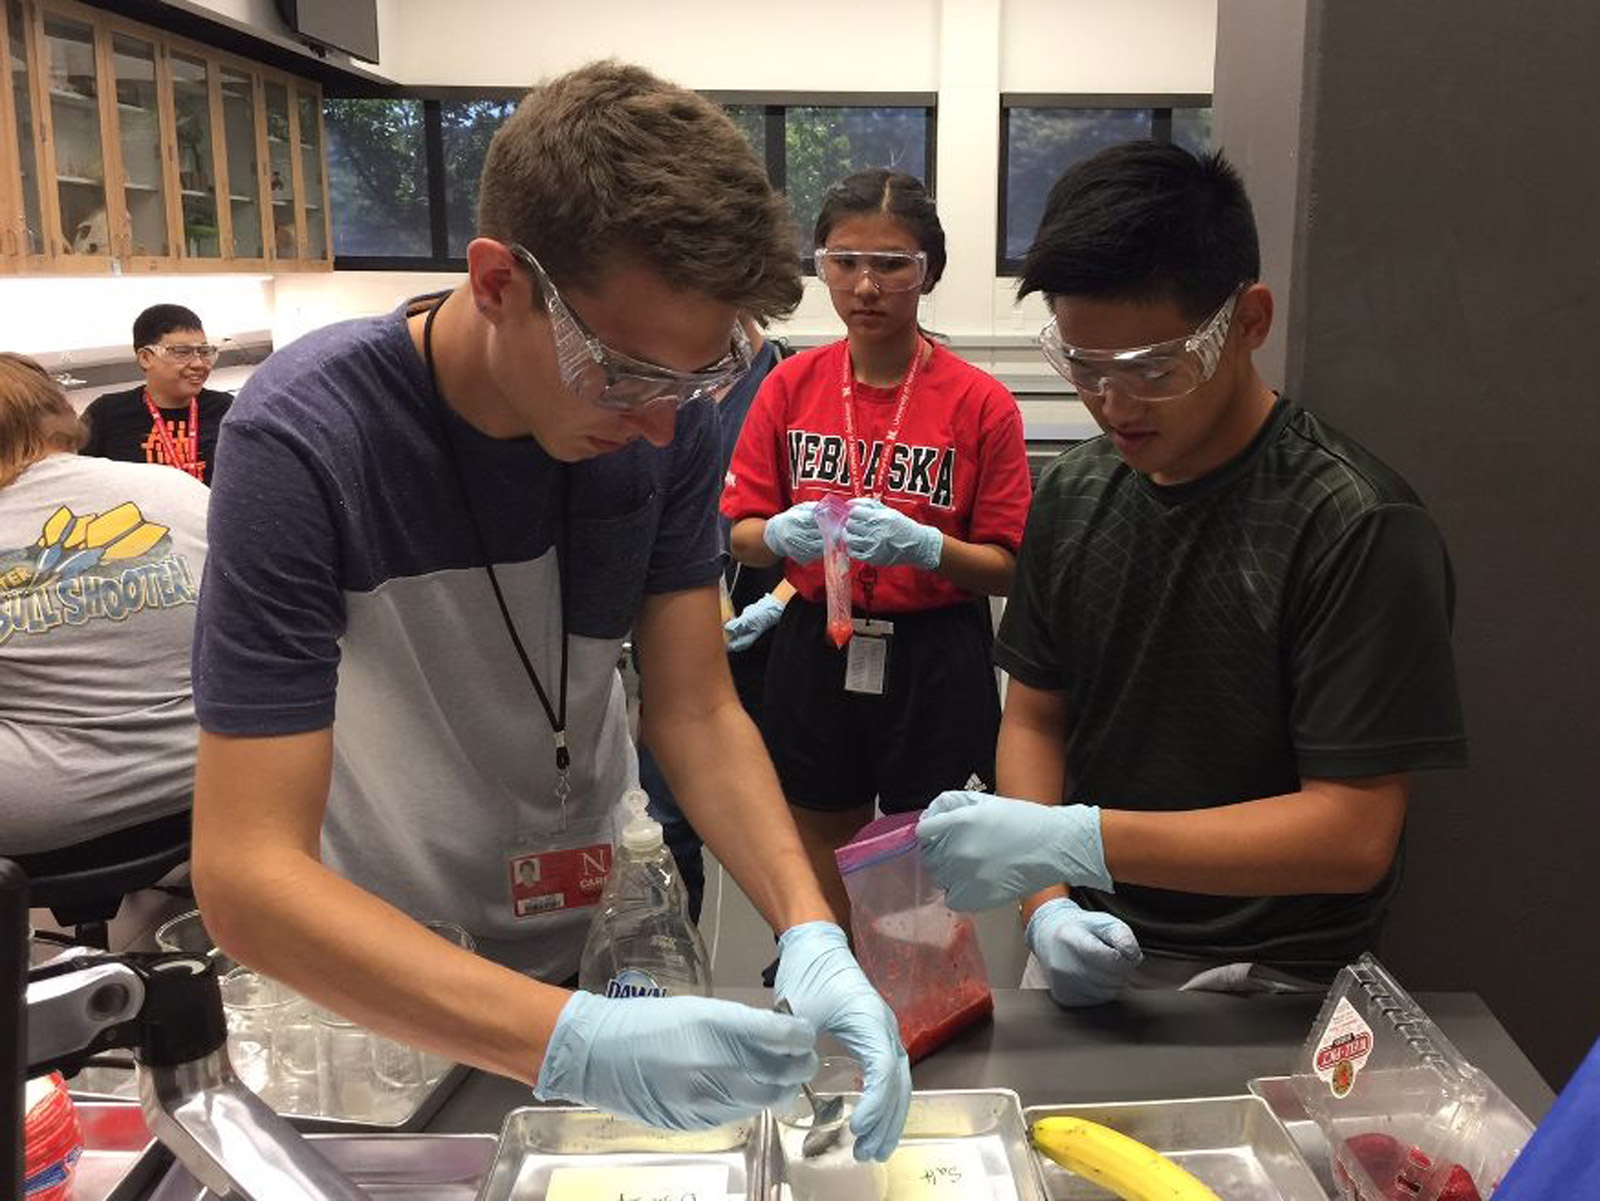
(89,567)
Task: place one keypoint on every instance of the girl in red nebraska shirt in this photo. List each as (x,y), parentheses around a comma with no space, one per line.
(931,450)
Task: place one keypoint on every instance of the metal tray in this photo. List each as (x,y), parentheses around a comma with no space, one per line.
(962,1131)
(1233,1144)
(536,1140)
(1279,1095)
(405,1167)
(119,1158)
(408,1123)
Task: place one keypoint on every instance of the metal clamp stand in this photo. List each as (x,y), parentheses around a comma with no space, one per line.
(168,1009)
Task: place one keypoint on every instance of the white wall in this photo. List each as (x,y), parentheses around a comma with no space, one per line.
(822,45)
(1095,46)
(93,318)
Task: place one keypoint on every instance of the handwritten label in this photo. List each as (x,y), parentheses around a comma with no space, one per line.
(941,1171)
(653,1182)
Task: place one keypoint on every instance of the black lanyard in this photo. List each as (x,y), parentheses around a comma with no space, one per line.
(556,715)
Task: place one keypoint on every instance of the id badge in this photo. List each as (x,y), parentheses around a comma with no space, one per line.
(867,656)
(554,879)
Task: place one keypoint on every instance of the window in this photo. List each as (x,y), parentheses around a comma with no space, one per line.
(1041,136)
(811,142)
(403,169)
(466,127)
(377,178)
(822,145)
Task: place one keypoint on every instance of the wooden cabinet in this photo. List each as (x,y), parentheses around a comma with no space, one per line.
(124,149)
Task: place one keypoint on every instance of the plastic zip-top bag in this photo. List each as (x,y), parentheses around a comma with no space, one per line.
(923,958)
(832,512)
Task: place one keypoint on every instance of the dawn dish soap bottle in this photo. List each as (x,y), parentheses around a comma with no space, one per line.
(641,942)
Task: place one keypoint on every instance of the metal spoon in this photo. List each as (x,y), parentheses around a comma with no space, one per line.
(827,1117)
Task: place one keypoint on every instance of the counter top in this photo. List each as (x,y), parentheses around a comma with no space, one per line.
(1151,1044)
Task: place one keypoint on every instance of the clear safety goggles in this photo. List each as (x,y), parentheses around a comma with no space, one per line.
(594,372)
(1160,371)
(889,270)
(183,352)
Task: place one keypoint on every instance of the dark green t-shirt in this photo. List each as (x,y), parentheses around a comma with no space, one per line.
(1285,617)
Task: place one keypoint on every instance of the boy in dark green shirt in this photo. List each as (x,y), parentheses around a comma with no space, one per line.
(1228,639)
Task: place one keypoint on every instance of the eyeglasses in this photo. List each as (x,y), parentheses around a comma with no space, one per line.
(1160,371)
(181,352)
(594,372)
(889,270)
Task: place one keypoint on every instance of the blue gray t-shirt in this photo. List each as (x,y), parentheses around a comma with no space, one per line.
(346,586)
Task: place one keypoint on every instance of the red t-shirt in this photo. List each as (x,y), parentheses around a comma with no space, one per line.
(959,462)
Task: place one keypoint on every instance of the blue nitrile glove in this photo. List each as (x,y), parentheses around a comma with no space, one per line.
(988,851)
(680,1063)
(885,537)
(1087,957)
(759,616)
(821,980)
(793,534)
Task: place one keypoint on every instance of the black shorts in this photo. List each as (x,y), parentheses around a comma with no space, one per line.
(933,728)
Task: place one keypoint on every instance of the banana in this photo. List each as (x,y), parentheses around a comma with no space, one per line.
(1114,1161)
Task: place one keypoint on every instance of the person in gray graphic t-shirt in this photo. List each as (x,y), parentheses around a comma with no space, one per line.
(100,566)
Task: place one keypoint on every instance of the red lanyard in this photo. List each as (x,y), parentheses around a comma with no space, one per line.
(890,438)
(189,462)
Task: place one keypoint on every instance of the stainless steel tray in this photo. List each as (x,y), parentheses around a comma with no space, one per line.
(536,1140)
(119,1158)
(972,1141)
(1233,1144)
(410,1122)
(406,1167)
(1279,1095)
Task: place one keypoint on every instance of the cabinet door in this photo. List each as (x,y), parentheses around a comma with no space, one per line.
(281,171)
(80,227)
(308,102)
(199,220)
(148,218)
(241,102)
(23,229)
(10,177)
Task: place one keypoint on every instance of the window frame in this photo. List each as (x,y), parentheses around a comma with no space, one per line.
(1160,104)
(775,106)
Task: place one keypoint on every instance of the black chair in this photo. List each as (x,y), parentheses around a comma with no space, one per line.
(83,886)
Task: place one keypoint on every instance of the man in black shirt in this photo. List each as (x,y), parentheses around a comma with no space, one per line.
(172,417)
(1229,636)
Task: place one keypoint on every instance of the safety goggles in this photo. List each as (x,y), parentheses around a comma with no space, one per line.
(181,352)
(889,270)
(594,372)
(1160,371)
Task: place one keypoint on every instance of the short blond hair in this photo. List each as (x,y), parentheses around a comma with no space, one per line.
(35,417)
(610,164)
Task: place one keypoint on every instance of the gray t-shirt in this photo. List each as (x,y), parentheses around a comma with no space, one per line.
(347,587)
(100,566)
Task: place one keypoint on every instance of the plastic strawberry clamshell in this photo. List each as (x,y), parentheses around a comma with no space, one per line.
(1405,1115)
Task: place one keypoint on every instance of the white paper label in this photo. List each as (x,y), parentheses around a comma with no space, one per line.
(652,1182)
(937,1172)
(1343,1049)
(865,659)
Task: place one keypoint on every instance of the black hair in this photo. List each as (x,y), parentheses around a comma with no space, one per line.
(894,194)
(159,320)
(1146,222)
